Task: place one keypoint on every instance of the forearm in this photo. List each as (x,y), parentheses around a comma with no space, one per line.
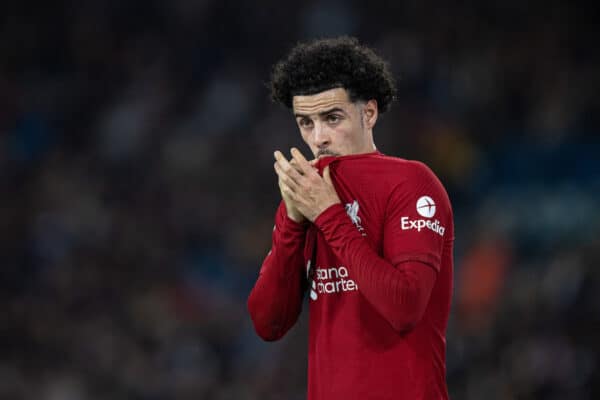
(400,293)
(276,299)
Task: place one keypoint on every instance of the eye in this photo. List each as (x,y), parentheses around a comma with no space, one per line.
(305,123)
(333,118)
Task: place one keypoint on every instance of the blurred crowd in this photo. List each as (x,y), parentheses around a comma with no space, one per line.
(138,194)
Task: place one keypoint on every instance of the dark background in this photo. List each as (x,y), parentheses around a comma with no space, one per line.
(137,190)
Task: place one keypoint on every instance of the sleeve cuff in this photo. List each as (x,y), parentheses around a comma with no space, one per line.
(285,224)
(293,227)
(333,212)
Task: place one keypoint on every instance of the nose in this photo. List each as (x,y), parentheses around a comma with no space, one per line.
(321,138)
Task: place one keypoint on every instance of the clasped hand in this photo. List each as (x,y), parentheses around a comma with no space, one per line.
(306,194)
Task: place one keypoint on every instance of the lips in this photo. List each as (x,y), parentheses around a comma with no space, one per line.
(326,153)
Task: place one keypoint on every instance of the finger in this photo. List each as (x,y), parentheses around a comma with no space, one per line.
(283,177)
(286,190)
(301,160)
(294,163)
(286,167)
(278,155)
(283,186)
(327,176)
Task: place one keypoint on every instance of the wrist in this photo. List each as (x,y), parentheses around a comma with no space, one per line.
(325,210)
(297,225)
(332,212)
(296,217)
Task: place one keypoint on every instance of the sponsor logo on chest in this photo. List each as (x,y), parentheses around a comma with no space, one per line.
(326,281)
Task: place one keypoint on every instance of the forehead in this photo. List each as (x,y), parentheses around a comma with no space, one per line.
(316,103)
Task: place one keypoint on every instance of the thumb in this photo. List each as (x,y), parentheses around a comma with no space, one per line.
(327,176)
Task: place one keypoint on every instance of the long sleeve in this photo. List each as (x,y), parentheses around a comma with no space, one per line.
(275,301)
(399,292)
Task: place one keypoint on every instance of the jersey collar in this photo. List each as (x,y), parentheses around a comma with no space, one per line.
(325,161)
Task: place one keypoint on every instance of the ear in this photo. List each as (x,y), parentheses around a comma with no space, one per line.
(370,113)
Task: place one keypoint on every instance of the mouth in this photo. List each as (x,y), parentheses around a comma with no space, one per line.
(326,153)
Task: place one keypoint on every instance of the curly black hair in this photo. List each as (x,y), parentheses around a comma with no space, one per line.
(325,64)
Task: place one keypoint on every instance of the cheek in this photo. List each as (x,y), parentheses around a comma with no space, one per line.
(344,136)
(305,137)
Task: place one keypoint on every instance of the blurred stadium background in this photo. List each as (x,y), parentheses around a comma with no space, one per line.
(138,194)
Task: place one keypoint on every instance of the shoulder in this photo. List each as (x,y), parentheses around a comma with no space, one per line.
(383,170)
(418,172)
(387,174)
(394,169)
(403,165)
(414,179)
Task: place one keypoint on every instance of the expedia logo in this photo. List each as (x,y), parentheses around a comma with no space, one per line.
(425,208)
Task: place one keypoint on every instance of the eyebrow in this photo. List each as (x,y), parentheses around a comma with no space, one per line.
(322,113)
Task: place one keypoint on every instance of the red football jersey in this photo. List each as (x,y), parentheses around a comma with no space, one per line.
(379,270)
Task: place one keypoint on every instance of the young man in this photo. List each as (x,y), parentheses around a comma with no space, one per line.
(368,236)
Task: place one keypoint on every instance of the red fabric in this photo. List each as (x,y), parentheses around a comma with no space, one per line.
(399,293)
(380,283)
(276,300)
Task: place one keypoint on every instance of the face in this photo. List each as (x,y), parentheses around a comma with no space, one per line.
(331,124)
